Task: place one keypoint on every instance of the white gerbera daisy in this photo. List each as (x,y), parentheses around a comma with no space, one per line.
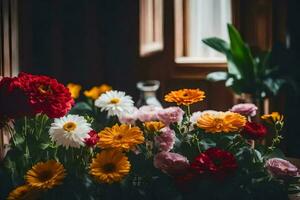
(70,131)
(115,103)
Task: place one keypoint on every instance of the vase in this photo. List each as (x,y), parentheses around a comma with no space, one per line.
(148,91)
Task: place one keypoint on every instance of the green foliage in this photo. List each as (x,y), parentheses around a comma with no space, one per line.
(247,73)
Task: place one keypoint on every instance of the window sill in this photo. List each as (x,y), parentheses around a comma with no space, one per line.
(150,49)
(201,62)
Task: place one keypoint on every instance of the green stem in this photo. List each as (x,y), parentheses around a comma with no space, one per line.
(25,126)
(189,111)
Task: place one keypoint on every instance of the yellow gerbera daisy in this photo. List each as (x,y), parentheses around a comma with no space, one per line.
(154,125)
(273,117)
(185,96)
(217,122)
(74,90)
(110,166)
(123,136)
(24,192)
(96,91)
(45,175)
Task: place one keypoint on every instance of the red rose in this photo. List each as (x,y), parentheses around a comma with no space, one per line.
(254,130)
(92,140)
(215,162)
(46,95)
(13,100)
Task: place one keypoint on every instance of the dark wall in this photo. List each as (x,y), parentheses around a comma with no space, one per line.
(89,42)
(289,58)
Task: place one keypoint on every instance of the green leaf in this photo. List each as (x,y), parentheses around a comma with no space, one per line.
(217,44)
(217,76)
(241,55)
(44,146)
(81,108)
(223,47)
(274,85)
(277,153)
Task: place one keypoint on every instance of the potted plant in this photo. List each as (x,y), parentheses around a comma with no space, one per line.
(249,74)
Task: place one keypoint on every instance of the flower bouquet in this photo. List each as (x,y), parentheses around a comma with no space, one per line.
(105,148)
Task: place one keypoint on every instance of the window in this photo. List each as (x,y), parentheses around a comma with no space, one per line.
(196,20)
(151,26)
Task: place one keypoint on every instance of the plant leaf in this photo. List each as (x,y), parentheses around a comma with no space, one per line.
(274,85)
(241,55)
(217,76)
(217,44)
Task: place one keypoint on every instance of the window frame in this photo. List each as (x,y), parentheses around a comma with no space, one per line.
(154,26)
(181,40)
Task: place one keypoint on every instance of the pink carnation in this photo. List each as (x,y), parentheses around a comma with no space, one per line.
(166,140)
(129,118)
(281,168)
(171,115)
(148,113)
(247,109)
(171,163)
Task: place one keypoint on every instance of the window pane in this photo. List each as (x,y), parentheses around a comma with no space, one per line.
(206,18)
(151,26)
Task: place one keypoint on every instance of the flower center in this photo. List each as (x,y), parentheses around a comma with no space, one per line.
(218,123)
(45,175)
(43,89)
(109,167)
(185,94)
(114,100)
(118,137)
(69,126)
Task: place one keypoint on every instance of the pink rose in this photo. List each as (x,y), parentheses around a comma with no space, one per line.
(246,109)
(166,140)
(171,163)
(281,168)
(130,117)
(148,113)
(170,115)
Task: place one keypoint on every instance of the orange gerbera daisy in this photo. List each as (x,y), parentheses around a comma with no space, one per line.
(185,96)
(154,126)
(45,175)
(74,90)
(96,91)
(120,136)
(218,122)
(110,166)
(24,192)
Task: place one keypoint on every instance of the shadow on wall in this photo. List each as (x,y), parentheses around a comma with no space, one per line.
(88,42)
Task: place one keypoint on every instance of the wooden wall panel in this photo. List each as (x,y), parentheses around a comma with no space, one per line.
(256,23)
(9,54)
(9,38)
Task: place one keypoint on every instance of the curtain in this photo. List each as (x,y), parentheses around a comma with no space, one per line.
(206,18)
